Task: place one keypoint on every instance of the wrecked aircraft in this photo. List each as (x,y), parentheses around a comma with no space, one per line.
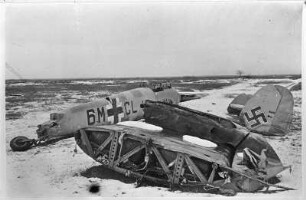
(269,111)
(110,110)
(165,158)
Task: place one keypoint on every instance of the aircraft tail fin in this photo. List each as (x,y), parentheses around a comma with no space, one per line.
(269,111)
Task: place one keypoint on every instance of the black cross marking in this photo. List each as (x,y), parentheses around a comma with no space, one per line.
(255,116)
(115,111)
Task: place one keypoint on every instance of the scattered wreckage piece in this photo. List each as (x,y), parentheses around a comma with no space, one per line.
(110,110)
(295,85)
(184,121)
(188,97)
(166,159)
(269,111)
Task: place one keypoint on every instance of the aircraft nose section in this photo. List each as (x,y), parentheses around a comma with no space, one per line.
(46,129)
(50,128)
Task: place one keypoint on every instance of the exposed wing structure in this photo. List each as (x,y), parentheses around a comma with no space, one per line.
(167,158)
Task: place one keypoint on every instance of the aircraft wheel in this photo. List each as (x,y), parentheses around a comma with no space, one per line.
(20,143)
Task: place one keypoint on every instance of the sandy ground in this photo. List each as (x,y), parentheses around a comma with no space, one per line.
(63,170)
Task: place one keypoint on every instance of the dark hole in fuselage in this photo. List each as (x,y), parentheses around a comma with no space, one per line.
(213,131)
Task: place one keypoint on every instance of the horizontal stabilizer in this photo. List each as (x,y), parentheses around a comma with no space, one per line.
(238,103)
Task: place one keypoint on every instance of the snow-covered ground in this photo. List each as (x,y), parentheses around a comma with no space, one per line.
(63,170)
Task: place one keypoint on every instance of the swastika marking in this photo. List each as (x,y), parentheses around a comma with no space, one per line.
(255,116)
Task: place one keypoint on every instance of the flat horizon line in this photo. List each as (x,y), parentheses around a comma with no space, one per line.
(160,77)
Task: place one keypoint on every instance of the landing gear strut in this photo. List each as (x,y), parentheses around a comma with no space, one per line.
(22,143)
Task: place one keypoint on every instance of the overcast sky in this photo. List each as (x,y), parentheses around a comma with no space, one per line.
(152,39)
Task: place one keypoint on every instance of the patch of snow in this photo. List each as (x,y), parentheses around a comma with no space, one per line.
(138,81)
(207,81)
(194,92)
(25,84)
(92,82)
(142,125)
(240,155)
(198,141)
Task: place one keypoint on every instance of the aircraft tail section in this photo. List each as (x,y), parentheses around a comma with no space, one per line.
(269,111)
